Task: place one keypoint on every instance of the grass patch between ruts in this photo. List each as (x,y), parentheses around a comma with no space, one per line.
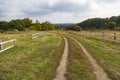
(79,67)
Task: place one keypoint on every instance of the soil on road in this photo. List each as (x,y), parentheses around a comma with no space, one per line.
(97,70)
(61,70)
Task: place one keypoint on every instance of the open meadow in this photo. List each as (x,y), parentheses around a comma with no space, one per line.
(31,59)
(39,58)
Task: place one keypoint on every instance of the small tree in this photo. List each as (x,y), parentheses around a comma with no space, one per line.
(4,25)
(74,28)
(32,27)
(112,25)
(47,26)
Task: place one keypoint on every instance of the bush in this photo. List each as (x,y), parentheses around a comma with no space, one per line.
(74,28)
(32,27)
(111,25)
(117,28)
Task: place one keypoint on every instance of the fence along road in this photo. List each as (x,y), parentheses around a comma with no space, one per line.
(5,42)
(115,37)
(36,35)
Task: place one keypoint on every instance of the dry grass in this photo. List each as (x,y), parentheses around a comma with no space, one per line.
(106,53)
(35,59)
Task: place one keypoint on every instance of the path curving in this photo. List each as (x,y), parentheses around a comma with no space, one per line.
(97,70)
(61,69)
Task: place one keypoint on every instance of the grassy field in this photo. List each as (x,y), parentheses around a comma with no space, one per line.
(78,64)
(106,53)
(35,59)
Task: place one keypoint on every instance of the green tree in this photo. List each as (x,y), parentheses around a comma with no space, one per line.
(17,24)
(118,21)
(112,25)
(95,23)
(26,22)
(33,27)
(74,27)
(47,26)
(4,25)
(36,26)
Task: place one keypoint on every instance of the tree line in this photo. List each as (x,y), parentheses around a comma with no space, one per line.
(101,23)
(26,23)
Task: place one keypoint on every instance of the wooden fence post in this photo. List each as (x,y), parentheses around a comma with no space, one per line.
(115,37)
(95,34)
(14,41)
(86,33)
(90,35)
(1,46)
(103,35)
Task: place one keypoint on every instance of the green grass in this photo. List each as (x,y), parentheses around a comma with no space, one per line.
(106,53)
(35,59)
(78,65)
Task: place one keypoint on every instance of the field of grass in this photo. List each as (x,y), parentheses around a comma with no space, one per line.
(106,53)
(79,67)
(35,59)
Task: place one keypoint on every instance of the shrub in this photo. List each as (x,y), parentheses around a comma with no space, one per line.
(111,25)
(74,28)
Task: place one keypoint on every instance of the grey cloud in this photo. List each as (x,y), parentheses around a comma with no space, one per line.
(42,9)
(70,7)
(107,1)
(32,13)
(36,10)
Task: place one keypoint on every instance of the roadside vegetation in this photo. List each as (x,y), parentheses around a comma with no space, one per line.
(35,59)
(78,66)
(106,53)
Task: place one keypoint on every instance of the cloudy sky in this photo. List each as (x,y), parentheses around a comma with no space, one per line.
(58,11)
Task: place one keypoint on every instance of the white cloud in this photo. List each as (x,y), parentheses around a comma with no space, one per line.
(81,2)
(103,9)
(58,10)
(53,2)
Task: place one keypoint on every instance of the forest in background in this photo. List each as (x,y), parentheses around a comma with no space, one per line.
(26,23)
(112,23)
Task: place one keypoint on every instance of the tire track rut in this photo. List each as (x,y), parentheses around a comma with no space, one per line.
(61,69)
(97,70)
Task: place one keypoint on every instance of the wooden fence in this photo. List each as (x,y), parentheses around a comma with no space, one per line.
(5,42)
(36,35)
(115,37)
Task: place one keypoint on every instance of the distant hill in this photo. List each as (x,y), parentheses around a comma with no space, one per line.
(63,25)
(100,23)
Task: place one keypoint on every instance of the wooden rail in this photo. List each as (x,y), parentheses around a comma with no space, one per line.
(36,35)
(102,35)
(5,42)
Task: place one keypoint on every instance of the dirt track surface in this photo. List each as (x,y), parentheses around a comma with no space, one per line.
(61,70)
(97,70)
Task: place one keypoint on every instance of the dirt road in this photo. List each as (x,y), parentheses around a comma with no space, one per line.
(97,70)
(61,70)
